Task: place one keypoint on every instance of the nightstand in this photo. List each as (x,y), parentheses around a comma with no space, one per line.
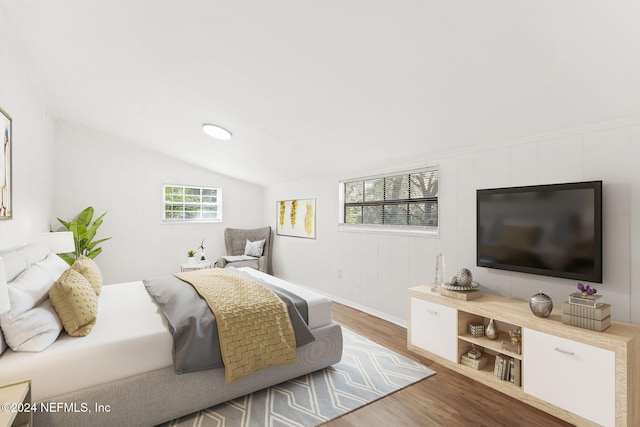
(201,265)
(14,397)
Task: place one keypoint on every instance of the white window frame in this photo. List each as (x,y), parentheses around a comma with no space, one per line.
(411,230)
(217,204)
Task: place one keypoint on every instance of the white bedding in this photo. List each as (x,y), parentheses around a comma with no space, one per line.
(319,305)
(130,337)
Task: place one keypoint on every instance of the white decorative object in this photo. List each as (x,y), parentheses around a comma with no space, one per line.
(439,279)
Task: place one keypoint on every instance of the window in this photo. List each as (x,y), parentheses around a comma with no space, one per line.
(405,201)
(192,204)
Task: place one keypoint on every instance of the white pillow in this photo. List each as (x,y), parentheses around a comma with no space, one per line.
(14,264)
(33,330)
(34,252)
(28,290)
(54,266)
(31,324)
(254,248)
(17,260)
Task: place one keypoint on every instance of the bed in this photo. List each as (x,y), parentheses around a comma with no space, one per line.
(122,373)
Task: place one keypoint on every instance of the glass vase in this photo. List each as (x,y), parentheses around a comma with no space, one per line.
(439,279)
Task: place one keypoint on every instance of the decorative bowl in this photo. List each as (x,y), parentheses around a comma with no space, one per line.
(456,287)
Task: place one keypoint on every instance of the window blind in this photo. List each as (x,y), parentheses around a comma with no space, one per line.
(405,199)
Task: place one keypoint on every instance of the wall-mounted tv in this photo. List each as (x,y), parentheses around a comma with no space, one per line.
(552,230)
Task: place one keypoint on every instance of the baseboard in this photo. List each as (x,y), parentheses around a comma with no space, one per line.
(365,309)
(368,310)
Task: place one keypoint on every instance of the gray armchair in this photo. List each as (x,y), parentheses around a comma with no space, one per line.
(235,240)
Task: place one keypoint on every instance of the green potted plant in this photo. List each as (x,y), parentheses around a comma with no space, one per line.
(84,231)
(191,256)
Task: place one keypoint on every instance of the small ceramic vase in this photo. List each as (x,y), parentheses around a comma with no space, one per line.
(491,330)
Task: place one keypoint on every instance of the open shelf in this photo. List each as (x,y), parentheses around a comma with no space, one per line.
(486,374)
(493,345)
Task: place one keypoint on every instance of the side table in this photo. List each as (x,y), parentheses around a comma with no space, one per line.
(16,404)
(195,266)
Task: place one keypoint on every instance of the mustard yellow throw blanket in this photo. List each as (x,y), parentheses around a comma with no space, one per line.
(253,323)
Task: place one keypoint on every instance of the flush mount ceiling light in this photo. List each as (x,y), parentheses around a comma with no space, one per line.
(216,131)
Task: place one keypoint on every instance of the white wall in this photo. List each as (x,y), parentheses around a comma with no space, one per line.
(94,169)
(33,143)
(377,269)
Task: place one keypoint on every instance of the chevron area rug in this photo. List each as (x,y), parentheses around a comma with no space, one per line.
(366,373)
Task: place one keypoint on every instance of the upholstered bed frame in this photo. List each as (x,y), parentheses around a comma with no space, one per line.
(161,395)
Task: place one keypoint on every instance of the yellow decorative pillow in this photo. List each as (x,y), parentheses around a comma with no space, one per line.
(89,269)
(75,302)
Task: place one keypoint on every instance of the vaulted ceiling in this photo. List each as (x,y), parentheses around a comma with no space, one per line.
(311,88)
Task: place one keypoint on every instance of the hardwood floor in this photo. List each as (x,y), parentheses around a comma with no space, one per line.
(445,399)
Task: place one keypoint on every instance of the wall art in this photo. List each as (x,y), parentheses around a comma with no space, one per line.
(6,205)
(296,218)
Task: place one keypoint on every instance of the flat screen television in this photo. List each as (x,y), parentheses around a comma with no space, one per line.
(552,230)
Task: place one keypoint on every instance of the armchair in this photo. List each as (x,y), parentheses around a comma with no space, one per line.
(235,240)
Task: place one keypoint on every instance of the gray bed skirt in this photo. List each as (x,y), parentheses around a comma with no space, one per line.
(159,396)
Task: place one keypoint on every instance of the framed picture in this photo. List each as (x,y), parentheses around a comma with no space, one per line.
(6,206)
(296,218)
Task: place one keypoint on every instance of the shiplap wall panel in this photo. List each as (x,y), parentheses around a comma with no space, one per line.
(608,152)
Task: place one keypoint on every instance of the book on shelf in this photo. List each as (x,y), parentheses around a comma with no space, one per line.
(500,369)
(516,375)
(600,312)
(479,363)
(586,323)
(508,369)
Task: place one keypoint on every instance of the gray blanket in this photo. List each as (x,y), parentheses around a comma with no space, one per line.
(193,325)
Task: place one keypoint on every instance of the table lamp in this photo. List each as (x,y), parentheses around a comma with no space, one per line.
(59,242)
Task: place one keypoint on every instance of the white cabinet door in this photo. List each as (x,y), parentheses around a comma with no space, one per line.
(435,328)
(577,377)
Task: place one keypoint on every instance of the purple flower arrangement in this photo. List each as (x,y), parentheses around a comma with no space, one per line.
(586,290)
